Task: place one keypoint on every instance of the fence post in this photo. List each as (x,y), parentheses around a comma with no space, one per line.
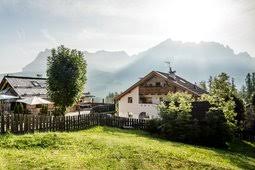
(63,123)
(2,123)
(12,123)
(78,127)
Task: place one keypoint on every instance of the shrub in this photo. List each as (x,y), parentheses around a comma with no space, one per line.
(18,109)
(239,109)
(177,123)
(249,123)
(26,111)
(154,125)
(57,112)
(215,131)
(44,110)
(227,106)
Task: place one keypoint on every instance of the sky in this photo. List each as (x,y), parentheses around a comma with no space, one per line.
(28,26)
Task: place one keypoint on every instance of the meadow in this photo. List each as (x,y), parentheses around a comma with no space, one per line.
(111,148)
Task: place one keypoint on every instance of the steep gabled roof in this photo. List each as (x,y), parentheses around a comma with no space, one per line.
(184,83)
(26,86)
(174,79)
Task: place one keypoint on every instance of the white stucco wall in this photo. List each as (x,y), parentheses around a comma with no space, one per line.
(135,108)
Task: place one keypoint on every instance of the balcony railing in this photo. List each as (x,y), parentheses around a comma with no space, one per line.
(154,90)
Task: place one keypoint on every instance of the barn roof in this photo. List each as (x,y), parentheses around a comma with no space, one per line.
(25,86)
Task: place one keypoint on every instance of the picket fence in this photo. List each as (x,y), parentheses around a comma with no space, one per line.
(20,124)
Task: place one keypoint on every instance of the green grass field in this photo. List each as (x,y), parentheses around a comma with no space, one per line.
(110,148)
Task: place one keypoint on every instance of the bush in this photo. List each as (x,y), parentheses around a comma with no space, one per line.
(44,110)
(177,123)
(239,109)
(26,111)
(18,108)
(154,125)
(249,124)
(228,107)
(215,131)
(180,129)
(57,112)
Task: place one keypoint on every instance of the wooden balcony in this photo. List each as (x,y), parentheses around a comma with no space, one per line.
(153,90)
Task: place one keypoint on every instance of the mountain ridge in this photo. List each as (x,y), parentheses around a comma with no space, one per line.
(110,71)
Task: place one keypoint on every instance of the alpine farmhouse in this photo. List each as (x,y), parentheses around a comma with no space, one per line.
(141,99)
(29,87)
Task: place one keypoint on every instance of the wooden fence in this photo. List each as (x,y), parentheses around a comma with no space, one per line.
(20,124)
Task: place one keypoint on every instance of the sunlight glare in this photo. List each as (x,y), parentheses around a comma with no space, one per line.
(190,20)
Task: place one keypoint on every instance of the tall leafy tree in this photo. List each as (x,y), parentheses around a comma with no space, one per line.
(222,87)
(248,91)
(210,83)
(239,109)
(242,93)
(249,85)
(233,86)
(253,82)
(223,94)
(110,97)
(66,77)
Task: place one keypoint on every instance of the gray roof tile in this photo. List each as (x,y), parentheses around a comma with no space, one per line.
(28,86)
(178,80)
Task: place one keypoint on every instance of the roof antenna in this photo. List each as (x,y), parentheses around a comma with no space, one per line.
(171,71)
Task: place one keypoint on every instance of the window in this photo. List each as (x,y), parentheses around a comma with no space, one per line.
(35,84)
(130,100)
(158,84)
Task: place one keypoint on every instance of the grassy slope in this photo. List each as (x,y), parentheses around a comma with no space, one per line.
(102,148)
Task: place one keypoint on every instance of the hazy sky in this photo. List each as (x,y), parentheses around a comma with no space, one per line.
(27,27)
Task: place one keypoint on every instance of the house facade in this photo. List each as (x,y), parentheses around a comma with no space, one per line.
(142,99)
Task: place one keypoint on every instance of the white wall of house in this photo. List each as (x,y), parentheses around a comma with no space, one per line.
(135,108)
